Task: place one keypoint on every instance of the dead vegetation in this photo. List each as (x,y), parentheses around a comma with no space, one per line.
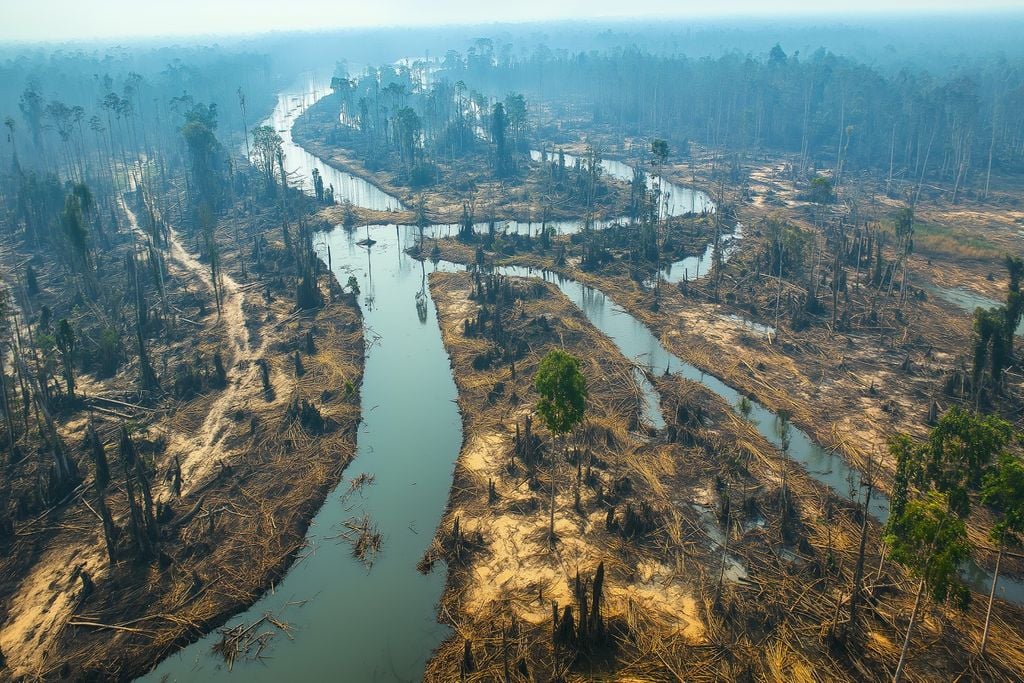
(247,641)
(232,462)
(361,533)
(850,370)
(711,555)
(461,181)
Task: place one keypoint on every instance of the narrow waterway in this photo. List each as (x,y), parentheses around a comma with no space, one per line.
(676,199)
(356,623)
(299,163)
(968,301)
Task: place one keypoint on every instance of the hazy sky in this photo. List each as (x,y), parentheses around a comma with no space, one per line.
(34,20)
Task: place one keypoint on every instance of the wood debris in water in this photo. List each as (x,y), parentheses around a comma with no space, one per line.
(357,485)
(361,533)
(247,641)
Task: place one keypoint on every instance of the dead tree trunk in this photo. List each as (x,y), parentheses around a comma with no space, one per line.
(100,482)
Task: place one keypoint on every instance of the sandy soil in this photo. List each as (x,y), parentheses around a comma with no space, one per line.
(848,391)
(238,456)
(200,450)
(517,573)
(660,590)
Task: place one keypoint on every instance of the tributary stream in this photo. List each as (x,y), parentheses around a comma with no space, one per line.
(354,623)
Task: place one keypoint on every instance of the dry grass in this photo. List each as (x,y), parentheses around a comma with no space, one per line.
(241,518)
(674,619)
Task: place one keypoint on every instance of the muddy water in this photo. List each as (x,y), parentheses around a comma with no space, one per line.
(379,623)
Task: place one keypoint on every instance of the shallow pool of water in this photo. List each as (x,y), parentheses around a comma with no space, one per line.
(968,301)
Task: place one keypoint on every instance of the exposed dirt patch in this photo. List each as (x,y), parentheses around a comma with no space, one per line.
(252,477)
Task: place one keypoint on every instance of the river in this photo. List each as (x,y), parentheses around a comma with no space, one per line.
(356,623)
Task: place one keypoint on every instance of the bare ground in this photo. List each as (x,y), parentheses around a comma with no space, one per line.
(252,480)
(675,608)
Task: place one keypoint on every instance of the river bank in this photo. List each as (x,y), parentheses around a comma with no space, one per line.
(388,277)
(236,473)
(849,402)
(528,194)
(728,515)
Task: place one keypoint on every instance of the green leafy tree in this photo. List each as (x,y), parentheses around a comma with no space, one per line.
(407,127)
(72,221)
(994,329)
(908,472)
(931,542)
(821,190)
(1003,489)
(990,346)
(206,156)
(266,144)
(515,111)
(660,151)
(499,133)
(959,449)
(563,402)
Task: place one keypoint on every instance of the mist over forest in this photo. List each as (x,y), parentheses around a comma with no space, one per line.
(679,348)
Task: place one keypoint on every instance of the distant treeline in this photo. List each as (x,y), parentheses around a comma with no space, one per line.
(831,111)
(59,107)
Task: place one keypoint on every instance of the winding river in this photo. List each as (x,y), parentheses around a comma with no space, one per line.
(350,622)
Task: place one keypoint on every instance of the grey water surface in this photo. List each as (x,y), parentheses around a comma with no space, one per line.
(360,624)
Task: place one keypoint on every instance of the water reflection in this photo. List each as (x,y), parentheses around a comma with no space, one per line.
(300,164)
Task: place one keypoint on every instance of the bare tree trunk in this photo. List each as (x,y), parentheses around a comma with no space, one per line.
(924,167)
(991,597)
(856,274)
(898,676)
(991,144)
(839,149)
(554,470)
(109,533)
(8,422)
(858,574)
(778,295)
(892,152)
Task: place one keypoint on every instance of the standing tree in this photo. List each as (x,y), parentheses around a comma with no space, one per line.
(266,145)
(959,449)
(66,344)
(659,150)
(931,542)
(207,160)
(904,224)
(563,402)
(1003,489)
(99,483)
(928,535)
(499,130)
